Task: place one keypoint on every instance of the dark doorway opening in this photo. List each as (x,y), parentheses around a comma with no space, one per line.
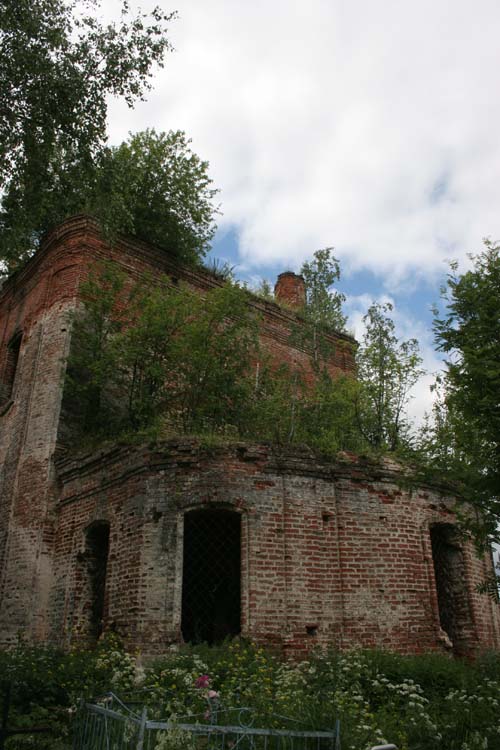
(96,558)
(211,589)
(450,575)
(13,351)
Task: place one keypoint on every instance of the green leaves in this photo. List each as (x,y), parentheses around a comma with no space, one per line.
(160,357)
(464,439)
(157,358)
(57,68)
(322,313)
(157,355)
(220,353)
(153,186)
(323,306)
(387,372)
(91,376)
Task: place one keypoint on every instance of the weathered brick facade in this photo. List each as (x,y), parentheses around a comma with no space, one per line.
(318,552)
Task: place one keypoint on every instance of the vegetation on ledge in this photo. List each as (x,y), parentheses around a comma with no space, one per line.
(157,359)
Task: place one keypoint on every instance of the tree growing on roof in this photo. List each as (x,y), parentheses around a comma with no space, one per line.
(387,370)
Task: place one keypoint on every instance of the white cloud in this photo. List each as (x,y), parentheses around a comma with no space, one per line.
(369,126)
(372,127)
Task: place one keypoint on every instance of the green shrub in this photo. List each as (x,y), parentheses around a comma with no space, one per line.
(45,684)
(426,702)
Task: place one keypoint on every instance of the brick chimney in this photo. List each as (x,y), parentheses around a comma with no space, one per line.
(290,288)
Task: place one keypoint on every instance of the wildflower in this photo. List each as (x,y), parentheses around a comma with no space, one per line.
(203,681)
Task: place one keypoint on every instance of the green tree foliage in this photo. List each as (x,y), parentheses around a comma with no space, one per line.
(91,368)
(450,449)
(149,355)
(316,410)
(286,408)
(154,187)
(462,440)
(469,334)
(272,410)
(264,290)
(221,348)
(57,68)
(329,417)
(146,351)
(322,312)
(323,305)
(387,371)
(157,357)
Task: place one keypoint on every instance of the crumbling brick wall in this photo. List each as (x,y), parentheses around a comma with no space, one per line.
(330,554)
(34,305)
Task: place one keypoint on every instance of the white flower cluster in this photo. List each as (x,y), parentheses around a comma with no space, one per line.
(408,696)
(122,666)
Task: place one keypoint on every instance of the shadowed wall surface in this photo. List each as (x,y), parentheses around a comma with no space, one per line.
(317,552)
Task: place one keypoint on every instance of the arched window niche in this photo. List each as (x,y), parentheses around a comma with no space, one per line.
(10,369)
(451,583)
(211,580)
(95,562)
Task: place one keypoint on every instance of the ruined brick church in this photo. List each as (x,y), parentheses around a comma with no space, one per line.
(176,542)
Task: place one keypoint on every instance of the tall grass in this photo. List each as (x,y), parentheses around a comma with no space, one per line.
(426,702)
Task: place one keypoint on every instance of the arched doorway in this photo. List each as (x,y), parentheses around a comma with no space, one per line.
(211,589)
(96,561)
(451,584)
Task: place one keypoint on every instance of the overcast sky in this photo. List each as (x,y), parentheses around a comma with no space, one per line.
(369,126)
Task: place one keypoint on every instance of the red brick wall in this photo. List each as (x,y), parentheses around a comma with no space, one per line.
(290,288)
(36,302)
(332,554)
(276,321)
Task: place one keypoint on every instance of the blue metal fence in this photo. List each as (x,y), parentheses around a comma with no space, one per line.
(110,724)
(115,726)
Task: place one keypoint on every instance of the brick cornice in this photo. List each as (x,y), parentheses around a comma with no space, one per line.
(77,226)
(87,230)
(117,462)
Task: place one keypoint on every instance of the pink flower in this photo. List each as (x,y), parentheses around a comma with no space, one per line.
(213,694)
(203,681)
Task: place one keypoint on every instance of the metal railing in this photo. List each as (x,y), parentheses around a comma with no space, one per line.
(115,726)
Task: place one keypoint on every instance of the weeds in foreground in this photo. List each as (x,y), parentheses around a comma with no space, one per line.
(417,702)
